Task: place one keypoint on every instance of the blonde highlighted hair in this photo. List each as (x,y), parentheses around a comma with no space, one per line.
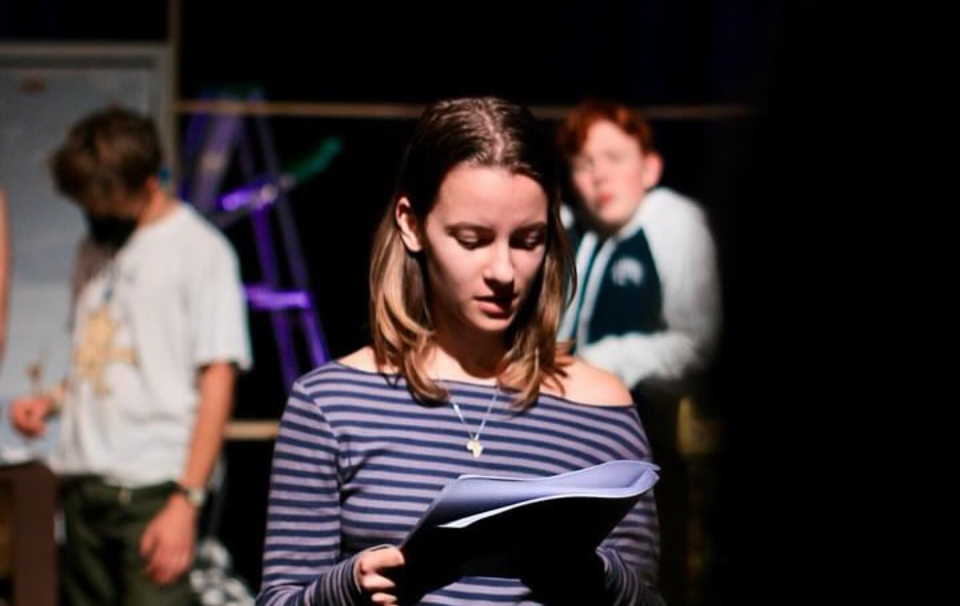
(481,132)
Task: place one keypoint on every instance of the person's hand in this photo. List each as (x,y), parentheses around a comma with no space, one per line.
(167,542)
(371,569)
(29,414)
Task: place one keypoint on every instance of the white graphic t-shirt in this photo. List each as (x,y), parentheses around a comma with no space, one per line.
(145,321)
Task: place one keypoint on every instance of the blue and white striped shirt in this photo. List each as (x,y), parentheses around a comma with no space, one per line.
(358,461)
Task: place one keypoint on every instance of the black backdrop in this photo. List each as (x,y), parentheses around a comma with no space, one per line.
(756,175)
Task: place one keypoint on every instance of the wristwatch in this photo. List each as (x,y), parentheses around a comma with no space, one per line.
(195,495)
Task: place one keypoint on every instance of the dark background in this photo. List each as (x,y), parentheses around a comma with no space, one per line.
(793,65)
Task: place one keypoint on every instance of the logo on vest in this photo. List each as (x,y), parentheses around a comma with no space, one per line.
(627,271)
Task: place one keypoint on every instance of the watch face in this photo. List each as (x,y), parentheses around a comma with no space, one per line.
(196,496)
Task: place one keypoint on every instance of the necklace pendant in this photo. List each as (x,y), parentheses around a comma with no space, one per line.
(474,446)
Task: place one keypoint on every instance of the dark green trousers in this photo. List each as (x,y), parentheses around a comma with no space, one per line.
(101,563)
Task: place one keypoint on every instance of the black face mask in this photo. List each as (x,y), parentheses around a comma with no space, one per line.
(111,232)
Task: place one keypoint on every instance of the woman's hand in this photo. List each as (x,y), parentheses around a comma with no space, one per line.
(369,571)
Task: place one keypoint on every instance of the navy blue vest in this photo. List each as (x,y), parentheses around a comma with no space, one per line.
(630,297)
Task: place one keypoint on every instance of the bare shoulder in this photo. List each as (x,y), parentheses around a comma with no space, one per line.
(590,385)
(362,359)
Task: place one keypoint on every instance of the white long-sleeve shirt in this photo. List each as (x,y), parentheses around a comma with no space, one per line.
(684,259)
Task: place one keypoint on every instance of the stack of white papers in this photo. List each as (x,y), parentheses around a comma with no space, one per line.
(480,522)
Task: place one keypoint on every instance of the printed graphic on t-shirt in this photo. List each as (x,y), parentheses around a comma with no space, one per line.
(97,349)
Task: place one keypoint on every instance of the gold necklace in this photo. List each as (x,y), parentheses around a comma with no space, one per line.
(473,443)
